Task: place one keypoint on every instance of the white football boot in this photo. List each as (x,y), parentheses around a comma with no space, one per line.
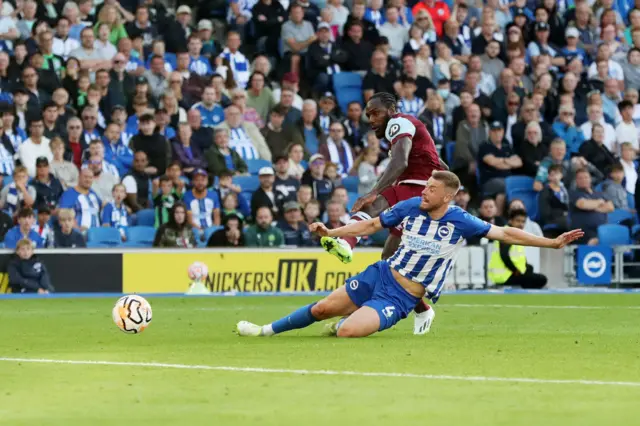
(248,329)
(422,321)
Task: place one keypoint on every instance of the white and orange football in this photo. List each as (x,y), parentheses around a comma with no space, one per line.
(132,314)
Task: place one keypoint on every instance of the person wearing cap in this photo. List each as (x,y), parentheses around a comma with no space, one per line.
(238,63)
(314,177)
(496,160)
(142,26)
(265,195)
(541,45)
(178,30)
(297,34)
(268,17)
(263,233)
(203,205)
(156,146)
(296,232)
(325,59)
(571,50)
(48,188)
(285,185)
(328,111)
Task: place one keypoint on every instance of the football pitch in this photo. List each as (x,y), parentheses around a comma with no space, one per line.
(489,360)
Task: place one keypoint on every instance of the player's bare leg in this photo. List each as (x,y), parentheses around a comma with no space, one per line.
(342,248)
(337,304)
(363,322)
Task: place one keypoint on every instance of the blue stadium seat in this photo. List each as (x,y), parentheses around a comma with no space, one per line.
(619,215)
(135,244)
(598,187)
(108,236)
(631,200)
(146,217)
(207,234)
(348,88)
(353,196)
(450,148)
(94,244)
(247,183)
(530,199)
(351,183)
(613,235)
(304,164)
(514,183)
(141,234)
(6,180)
(256,165)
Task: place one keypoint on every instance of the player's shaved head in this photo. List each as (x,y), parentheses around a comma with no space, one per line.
(450,180)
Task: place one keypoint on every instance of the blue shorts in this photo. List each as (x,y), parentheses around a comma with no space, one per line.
(376,288)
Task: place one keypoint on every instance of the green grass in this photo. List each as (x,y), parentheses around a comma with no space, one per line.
(493,341)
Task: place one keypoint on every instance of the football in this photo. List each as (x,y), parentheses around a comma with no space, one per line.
(198,271)
(132,314)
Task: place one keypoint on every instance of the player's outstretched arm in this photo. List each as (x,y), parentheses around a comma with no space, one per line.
(516,236)
(356,229)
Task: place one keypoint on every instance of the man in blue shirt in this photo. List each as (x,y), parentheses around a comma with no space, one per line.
(199,64)
(388,290)
(84,201)
(212,113)
(26,220)
(296,233)
(203,204)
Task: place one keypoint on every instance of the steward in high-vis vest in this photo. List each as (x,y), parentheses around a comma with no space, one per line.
(508,264)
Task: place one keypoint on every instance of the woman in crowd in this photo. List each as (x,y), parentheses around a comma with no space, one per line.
(249,114)
(109,15)
(295,153)
(260,96)
(230,236)
(177,233)
(169,102)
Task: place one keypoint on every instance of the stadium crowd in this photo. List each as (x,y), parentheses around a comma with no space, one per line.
(236,124)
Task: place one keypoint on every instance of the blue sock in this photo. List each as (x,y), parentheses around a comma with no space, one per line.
(299,318)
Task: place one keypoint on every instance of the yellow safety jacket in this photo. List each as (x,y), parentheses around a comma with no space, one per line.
(498,272)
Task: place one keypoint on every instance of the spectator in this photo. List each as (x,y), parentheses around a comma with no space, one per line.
(76,143)
(52,126)
(358,48)
(231,205)
(471,133)
(259,95)
(203,204)
(367,173)
(102,43)
(109,15)
(249,114)
(36,146)
(508,265)
(27,273)
(627,157)
(263,233)
(18,194)
(157,77)
(84,201)
(221,158)
(103,180)
(489,213)
(285,186)
(529,226)
(143,27)
(409,103)
(626,130)
(325,59)
(290,82)
(314,177)
(335,212)
(274,135)
(89,57)
(378,78)
(245,138)
(268,17)
(588,208)
(114,214)
(189,157)
(238,62)
(230,236)
(138,184)
(307,130)
(355,126)
(613,189)
(596,116)
(462,200)
(295,231)
(155,146)
(287,99)
(23,231)
(295,152)
(311,212)
(177,232)
(65,236)
(566,129)
(433,117)
(396,33)
(165,200)
(65,171)
(595,150)
(438,11)
(116,152)
(297,34)
(265,196)
(554,204)
(211,112)
(48,188)
(531,151)
(337,150)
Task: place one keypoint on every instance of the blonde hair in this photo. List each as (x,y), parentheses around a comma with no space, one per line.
(20,169)
(64,214)
(102,16)
(449,179)
(55,142)
(25,242)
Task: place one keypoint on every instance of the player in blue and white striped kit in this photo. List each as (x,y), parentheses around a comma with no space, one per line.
(388,290)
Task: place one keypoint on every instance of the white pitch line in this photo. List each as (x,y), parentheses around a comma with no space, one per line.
(484,305)
(328,372)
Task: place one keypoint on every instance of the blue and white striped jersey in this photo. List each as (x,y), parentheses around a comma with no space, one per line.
(87,206)
(411,106)
(429,247)
(202,208)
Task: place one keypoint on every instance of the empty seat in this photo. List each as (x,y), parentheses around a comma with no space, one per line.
(141,234)
(207,234)
(107,236)
(351,183)
(247,183)
(348,88)
(529,198)
(619,216)
(514,183)
(613,235)
(353,196)
(255,165)
(146,217)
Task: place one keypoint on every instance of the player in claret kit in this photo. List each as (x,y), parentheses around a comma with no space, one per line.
(413,159)
(387,291)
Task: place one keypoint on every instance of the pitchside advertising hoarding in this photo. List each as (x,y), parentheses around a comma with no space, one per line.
(241,271)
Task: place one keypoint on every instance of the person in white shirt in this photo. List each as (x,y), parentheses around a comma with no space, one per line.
(596,115)
(8,32)
(626,131)
(62,43)
(34,147)
(615,70)
(627,159)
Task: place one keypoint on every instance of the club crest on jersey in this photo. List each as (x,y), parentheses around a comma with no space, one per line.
(444,232)
(394,129)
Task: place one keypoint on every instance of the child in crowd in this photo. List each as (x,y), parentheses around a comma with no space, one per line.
(67,236)
(17,194)
(409,103)
(230,206)
(27,274)
(331,173)
(226,186)
(457,77)
(115,213)
(312,212)
(43,227)
(305,195)
(613,189)
(174,172)
(164,201)
(84,81)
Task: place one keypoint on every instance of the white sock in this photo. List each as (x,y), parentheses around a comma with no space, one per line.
(267,330)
